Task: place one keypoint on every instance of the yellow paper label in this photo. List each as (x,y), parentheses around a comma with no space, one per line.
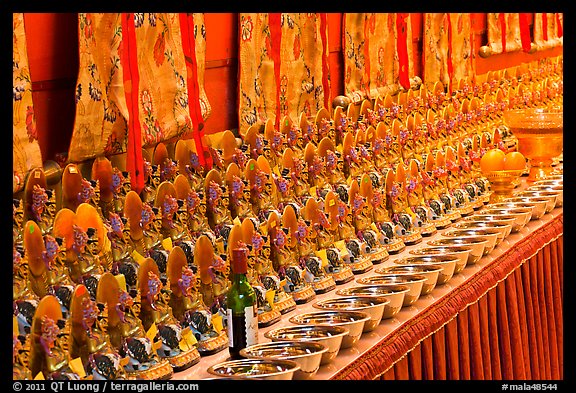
(322,255)
(237,221)
(273,224)
(282,283)
(340,149)
(263,230)
(276,170)
(138,258)
(270,294)
(217,322)
(167,244)
(77,366)
(340,245)
(409,211)
(313,190)
(349,180)
(15,329)
(121,281)
(37,175)
(188,340)
(72,169)
(156,345)
(151,333)
(374,227)
(332,202)
(39,376)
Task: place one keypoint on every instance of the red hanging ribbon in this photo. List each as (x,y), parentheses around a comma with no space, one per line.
(545,26)
(525,32)
(402,48)
(189,49)
(559,25)
(367,53)
(274,19)
(325,64)
(502,19)
(449,64)
(131,79)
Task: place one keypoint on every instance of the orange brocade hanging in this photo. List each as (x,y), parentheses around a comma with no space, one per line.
(25,147)
(160,102)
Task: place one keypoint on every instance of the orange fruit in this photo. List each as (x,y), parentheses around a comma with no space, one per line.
(514,160)
(492,160)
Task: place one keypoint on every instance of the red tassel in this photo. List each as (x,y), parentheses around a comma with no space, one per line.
(559,25)
(367,52)
(276,37)
(325,61)
(189,49)
(131,79)
(545,26)
(449,64)
(502,19)
(525,32)
(402,48)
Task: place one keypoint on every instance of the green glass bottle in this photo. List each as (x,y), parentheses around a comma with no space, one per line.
(241,306)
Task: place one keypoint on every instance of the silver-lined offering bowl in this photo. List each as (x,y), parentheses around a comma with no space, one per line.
(414,285)
(270,369)
(372,306)
(354,321)
(329,336)
(430,272)
(307,354)
(394,293)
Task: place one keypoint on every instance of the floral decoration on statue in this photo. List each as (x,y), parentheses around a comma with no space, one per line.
(214,194)
(87,192)
(439,172)
(49,254)
(169,208)
(80,239)
(154,285)
(187,282)
(146,217)
(89,315)
(48,334)
(39,200)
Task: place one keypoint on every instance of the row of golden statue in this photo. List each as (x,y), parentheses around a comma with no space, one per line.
(114,284)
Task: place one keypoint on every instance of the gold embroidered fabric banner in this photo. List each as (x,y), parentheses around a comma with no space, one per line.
(101,124)
(447,51)
(504,32)
(371,61)
(548,28)
(298,87)
(25,147)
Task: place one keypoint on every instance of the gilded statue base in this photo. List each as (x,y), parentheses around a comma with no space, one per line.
(465,210)
(285,305)
(161,371)
(213,345)
(453,215)
(323,285)
(268,318)
(184,360)
(442,222)
(303,295)
(477,203)
(395,246)
(379,255)
(361,266)
(343,275)
(428,229)
(411,238)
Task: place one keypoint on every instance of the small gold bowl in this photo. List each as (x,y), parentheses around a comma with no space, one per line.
(446,262)
(372,306)
(269,369)
(394,293)
(523,215)
(503,219)
(550,196)
(414,285)
(307,354)
(502,183)
(539,204)
(505,229)
(490,234)
(476,243)
(462,252)
(354,321)
(430,272)
(329,336)
(514,205)
(558,189)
